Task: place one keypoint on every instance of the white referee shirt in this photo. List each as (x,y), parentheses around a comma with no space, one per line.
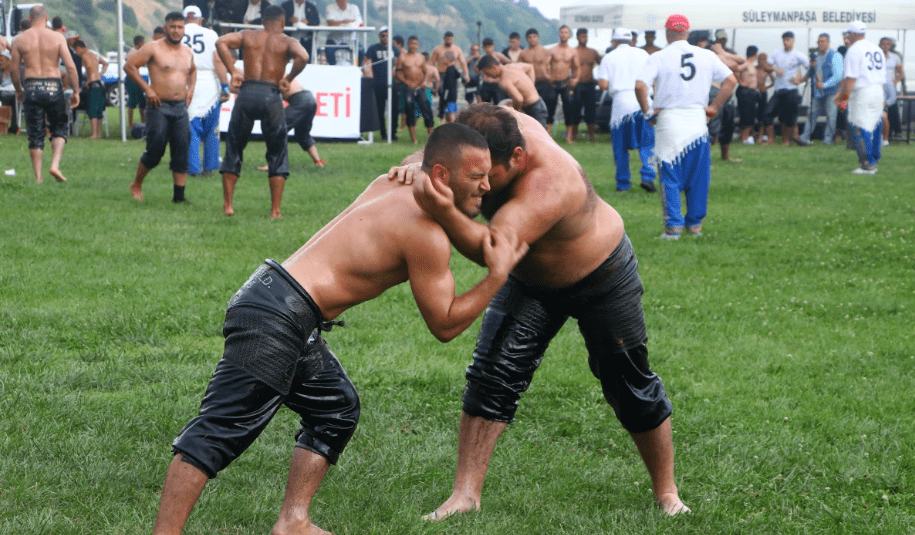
(788,62)
(333,12)
(202,42)
(621,68)
(684,75)
(866,63)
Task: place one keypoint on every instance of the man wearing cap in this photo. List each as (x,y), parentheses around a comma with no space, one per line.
(41,50)
(787,65)
(684,74)
(377,57)
(826,70)
(629,128)
(862,84)
(211,89)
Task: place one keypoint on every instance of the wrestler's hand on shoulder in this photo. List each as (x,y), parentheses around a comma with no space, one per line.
(405,174)
(503,250)
(431,195)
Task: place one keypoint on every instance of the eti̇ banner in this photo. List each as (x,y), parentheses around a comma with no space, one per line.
(338,91)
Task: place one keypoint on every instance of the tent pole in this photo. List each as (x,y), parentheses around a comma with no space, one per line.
(389,104)
(122,100)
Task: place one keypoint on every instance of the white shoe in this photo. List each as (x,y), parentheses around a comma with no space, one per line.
(863,171)
(885,143)
(749,141)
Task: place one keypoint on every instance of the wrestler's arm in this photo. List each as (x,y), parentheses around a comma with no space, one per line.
(63,52)
(229,41)
(576,70)
(503,59)
(102,64)
(466,71)
(512,92)
(299,59)
(398,70)
(16,61)
(191,81)
(529,71)
(427,255)
(727,87)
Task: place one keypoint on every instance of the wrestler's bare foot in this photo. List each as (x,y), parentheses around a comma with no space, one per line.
(57,174)
(227,209)
(38,179)
(672,505)
(729,159)
(276,215)
(136,191)
(262,168)
(454,505)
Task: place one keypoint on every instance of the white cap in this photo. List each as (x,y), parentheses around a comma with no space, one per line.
(191,12)
(622,34)
(857,27)
(382,30)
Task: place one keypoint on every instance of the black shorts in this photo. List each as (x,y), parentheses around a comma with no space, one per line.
(96,108)
(167,123)
(586,99)
(300,114)
(761,108)
(272,357)
(491,92)
(547,92)
(537,110)
(257,101)
(418,97)
(521,321)
(45,107)
(784,105)
(747,103)
(136,98)
(567,96)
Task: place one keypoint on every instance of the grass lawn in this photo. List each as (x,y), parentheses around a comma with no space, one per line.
(784,336)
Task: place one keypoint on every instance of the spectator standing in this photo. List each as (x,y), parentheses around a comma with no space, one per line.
(489,88)
(7,90)
(748,96)
(473,84)
(136,98)
(377,57)
(786,64)
(564,71)
(585,93)
(514,48)
(345,15)
(447,57)
(863,82)
(95,65)
(684,74)
(539,57)
(211,90)
(411,71)
(629,127)
(894,75)
(826,74)
(650,47)
(765,77)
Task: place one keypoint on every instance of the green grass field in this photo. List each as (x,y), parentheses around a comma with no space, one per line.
(784,336)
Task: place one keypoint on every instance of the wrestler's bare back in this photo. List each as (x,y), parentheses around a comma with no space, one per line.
(587,231)
(517,80)
(41,50)
(266,55)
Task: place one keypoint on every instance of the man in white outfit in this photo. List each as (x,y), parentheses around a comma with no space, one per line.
(682,75)
(629,129)
(212,89)
(863,78)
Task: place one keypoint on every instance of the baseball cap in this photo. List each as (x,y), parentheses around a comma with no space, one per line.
(382,30)
(721,34)
(677,23)
(622,34)
(191,12)
(856,27)
(72,34)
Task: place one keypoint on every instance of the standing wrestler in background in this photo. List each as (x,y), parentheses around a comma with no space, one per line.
(95,65)
(684,74)
(748,96)
(629,128)
(266,54)
(787,65)
(411,72)
(136,98)
(446,57)
(489,89)
(40,50)
(172,77)
(564,72)
(724,119)
(765,78)
(539,57)
(517,81)
(210,91)
(585,92)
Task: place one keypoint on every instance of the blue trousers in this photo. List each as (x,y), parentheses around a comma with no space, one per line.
(691,174)
(867,144)
(204,129)
(633,133)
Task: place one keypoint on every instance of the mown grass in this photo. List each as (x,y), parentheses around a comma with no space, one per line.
(783,334)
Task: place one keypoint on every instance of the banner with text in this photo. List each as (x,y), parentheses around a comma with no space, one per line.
(338,91)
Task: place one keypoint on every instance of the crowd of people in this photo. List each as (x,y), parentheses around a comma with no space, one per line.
(549,257)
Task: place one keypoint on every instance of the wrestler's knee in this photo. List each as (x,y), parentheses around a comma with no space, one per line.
(636,393)
(329,431)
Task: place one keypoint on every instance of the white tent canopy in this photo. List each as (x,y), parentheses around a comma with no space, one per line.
(878,14)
